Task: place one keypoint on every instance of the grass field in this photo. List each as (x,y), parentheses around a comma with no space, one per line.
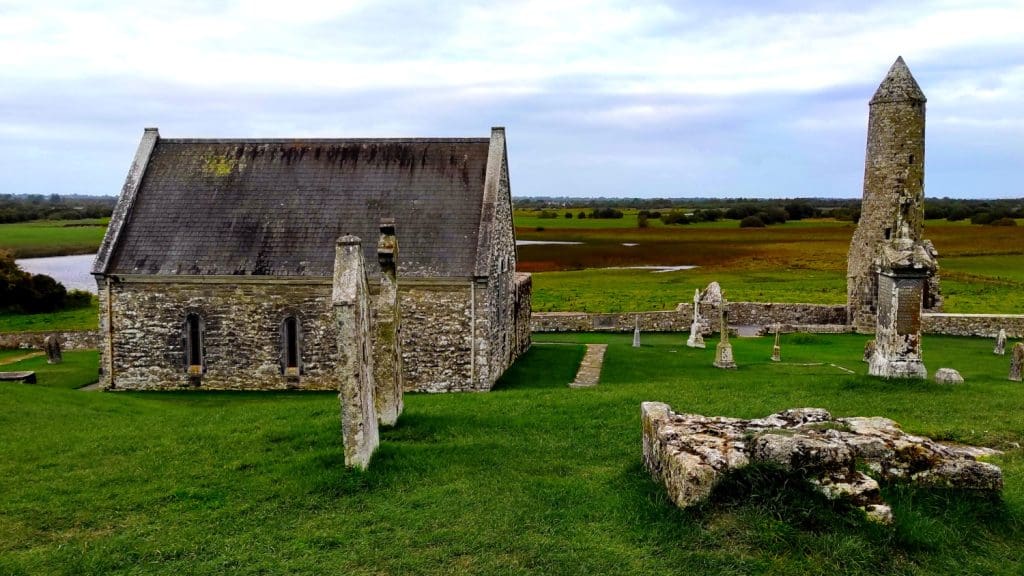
(533,478)
(52,237)
(982,267)
(75,319)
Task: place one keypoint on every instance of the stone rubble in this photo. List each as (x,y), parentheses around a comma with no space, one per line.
(690,453)
(948,376)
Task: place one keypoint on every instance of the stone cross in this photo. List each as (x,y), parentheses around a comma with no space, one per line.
(387,346)
(1017,361)
(636,331)
(723,352)
(1000,348)
(696,339)
(776,350)
(51,344)
(350,300)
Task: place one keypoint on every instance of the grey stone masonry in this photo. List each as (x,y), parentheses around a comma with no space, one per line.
(387,361)
(350,299)
(893,188)
(723,352)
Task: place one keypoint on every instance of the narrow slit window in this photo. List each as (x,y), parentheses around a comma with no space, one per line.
(291,346)
(193,344)
(888,233)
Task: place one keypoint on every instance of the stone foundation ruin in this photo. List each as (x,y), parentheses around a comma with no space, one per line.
(690,454)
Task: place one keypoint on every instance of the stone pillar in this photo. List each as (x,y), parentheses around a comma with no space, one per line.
(350,300)
(387,360)
(52,346)
(723,352)
(902,269)
(636,331)
(1017,361)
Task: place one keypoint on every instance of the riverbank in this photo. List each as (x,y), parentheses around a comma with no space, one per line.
(40,238)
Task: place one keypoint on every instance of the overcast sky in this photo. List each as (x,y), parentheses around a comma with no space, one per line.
(748,98)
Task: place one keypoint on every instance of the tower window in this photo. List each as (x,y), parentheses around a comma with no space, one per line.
(911,159)
(888,233)
(194,344)
(290,344)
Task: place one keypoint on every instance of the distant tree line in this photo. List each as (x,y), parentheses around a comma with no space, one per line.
(22,208)
(763,212)
(21,292)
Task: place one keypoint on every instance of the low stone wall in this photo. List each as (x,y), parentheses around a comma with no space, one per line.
(679,320)
(986,325)
(69,340)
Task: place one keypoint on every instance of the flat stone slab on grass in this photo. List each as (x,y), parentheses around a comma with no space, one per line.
(23,377)
(690,454)
(590,367)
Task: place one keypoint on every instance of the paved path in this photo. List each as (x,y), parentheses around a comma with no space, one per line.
(25,356)
(590,367)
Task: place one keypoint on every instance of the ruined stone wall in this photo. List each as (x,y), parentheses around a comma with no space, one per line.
(242,334)
(679,320)
(69,340)
(986,325)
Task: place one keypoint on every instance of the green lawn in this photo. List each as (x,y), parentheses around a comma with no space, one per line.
(75,319)
(52,237)
(533,478)
(79,368)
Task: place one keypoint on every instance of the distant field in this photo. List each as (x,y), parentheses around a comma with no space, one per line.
(52,237)
(76,319)
(982,267)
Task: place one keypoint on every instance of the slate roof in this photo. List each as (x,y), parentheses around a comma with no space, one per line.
(276,207)
(898,85)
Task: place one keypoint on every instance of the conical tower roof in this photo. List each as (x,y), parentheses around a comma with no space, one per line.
(898,86)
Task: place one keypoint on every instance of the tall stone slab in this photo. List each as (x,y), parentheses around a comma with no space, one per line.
(902,270)
(696,339)
(387,360)
(1017,361)
(893,188)
(350,300)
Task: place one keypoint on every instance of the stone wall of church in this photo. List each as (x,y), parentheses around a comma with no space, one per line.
(242,335)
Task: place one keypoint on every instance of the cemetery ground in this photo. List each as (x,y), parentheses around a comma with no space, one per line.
(533,477)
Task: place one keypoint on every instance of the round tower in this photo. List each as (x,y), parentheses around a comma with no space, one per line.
(893,202)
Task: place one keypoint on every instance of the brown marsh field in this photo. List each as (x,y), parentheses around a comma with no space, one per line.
(982,267)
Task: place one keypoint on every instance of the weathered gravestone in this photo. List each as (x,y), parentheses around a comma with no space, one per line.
(776,349)
(1017,361)
(387,361)
(696,339)
(1000,348)
(723,352)
(636,332)
(51,344)
(350,299)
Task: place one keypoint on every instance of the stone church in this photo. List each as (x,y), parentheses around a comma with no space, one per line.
(216,269)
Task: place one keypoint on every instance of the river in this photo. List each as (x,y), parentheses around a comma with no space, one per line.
(71,271)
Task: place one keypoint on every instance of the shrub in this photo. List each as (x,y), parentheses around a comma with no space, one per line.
(675,217)
(751,222)
(983,218)
(548,214)
(641,221)
(581,215)
(1003,222)
(606,213)
(568,215)
(24,292)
